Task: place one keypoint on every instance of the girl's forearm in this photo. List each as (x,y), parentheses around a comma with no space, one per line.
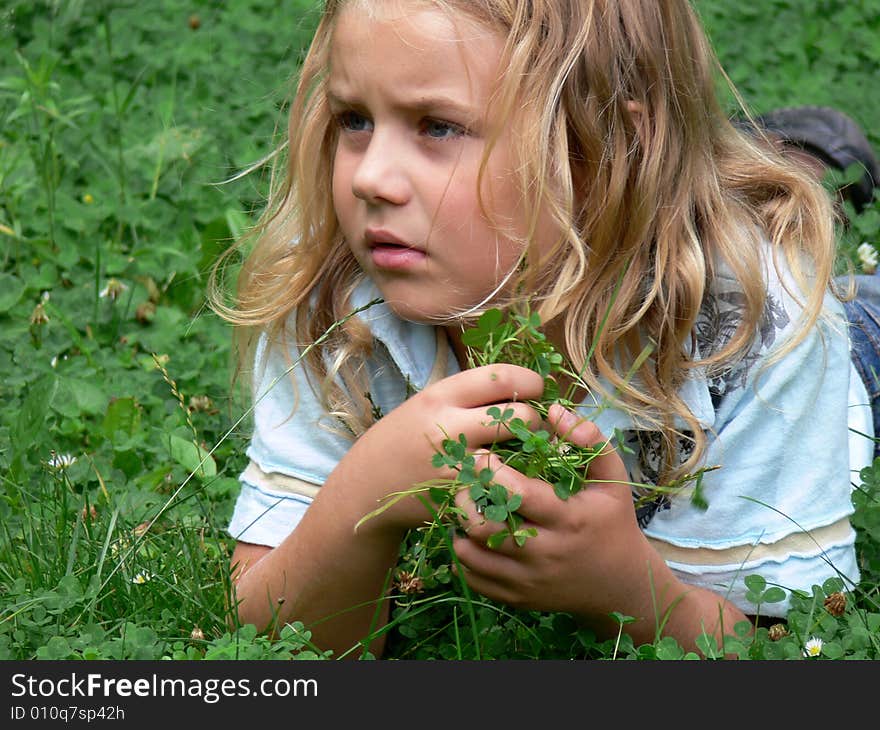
(665,606)
(324,574)
(699,611)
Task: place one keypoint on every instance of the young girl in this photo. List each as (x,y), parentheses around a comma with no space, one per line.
(449,155)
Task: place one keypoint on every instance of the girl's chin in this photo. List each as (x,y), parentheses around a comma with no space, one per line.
(458,318)
(419,315)
(423,303)
(419,312)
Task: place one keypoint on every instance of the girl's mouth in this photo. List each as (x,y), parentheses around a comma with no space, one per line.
(395,256)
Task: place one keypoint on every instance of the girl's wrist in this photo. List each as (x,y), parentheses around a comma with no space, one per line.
(648,588)
(345,500)
(664,605)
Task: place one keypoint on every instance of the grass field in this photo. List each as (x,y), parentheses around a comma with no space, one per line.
(123,127)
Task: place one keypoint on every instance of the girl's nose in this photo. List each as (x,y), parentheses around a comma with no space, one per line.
(381,173)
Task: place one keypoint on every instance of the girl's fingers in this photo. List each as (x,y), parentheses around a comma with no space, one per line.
(491,431)
(582,432)
(538,501)
(573,429)
(489,572)
(539,504)
(490,384)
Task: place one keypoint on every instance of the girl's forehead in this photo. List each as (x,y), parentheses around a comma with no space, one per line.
(386,9)
(419,30)
(457,14)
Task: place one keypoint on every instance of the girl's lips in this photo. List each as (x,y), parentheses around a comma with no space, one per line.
(390,256)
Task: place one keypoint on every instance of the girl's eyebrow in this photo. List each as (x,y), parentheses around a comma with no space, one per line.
(335,98)
(419,104)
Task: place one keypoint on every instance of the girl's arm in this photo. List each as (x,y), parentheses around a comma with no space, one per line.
(589,558)
(332,576)
(325,574)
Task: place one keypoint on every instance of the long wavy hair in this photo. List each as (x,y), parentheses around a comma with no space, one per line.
(622,140)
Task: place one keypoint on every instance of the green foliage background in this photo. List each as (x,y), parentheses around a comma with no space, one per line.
(119,123)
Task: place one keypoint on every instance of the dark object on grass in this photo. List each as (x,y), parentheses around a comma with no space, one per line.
(830,136)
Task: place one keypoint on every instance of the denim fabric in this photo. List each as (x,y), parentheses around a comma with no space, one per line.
(863,314)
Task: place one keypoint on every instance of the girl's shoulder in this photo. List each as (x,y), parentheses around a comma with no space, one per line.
(726,305)
(416,352)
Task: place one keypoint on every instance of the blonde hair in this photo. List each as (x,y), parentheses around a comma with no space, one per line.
(621,139)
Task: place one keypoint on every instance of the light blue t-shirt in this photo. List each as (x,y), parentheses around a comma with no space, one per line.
(779,505)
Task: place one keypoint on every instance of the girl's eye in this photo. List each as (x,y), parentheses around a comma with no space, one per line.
(353,122)
(437,129)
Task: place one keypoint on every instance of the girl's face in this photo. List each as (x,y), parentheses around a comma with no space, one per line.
(409,91)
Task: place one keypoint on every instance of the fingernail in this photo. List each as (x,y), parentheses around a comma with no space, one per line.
(566,419)
(480,453)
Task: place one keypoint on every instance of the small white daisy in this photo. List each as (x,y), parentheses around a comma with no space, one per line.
(142,578)
(61,461)
(813,647)
(868,257)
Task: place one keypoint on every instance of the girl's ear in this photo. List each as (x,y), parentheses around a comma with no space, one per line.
(637,114)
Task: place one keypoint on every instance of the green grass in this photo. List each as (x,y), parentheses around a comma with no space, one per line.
(119,122)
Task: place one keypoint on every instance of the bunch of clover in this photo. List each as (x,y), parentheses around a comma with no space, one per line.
(514,337)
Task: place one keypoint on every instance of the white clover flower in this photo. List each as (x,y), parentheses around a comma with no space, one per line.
(142,578)
(113,289)
(119,546)
(61,461)
(813,647)
(39,316)
(868,257)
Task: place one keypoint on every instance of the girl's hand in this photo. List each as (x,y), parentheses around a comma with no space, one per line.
(589,556)
(396,453)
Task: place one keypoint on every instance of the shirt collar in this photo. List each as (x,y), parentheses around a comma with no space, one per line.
(411,346)
(413,349)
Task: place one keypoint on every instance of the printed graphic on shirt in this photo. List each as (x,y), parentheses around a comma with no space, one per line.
(716,324)
(648,445)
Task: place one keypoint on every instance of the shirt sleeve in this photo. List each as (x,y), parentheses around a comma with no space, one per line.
(779,505)
(294,447)
(263,517)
